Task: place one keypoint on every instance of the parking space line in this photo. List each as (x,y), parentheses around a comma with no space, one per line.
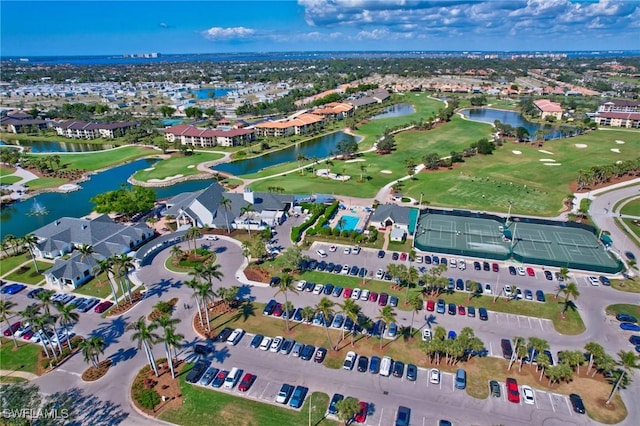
(490,349)
(568,406)
(540,322)
(265,389)
(381,411)
(552,405)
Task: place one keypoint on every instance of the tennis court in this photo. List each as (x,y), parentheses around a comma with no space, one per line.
(534,241)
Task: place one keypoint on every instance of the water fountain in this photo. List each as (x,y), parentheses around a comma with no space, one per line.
(38,209)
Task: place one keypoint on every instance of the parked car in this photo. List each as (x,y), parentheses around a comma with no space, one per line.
(220,378)
(374,365)
(528,294)
(528,395)
(403,418)
(255,342)
(361,415)
(434,376)
(337,291)
(626,318)
(398,369)
(494,386)
(482,313)
(471,312)
(521,271)
(307,352)
(426,334)
(381,254)
(246,382)
(347,292)
(363,364)
(540,296)
(34,293)
(507,291)
(299,394)
(512,270)
(576,403)
(269,307)
(12,288)
(284,394)
(630,326)
(102,307)
(461,310)
(431,305)
(235,336)
(333,409)
(349,360)
(276,344)
(451,309)
(412,372)
(266,343)
(604,280)
(395,256)
(297,348)
(634,340)
(320,354)
(513,394)
(12,329)
(593,280)
(548,275)
(530,271)
(393,301)
(275,281)
(440,306)
(208,376)
(507,349)
(197,371)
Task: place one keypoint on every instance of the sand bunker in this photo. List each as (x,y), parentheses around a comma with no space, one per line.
(386,172)
(619,162)
(553,164)
(616,150)
(148,169)
(517,152)
(355,160)
(165,179)
(619,142)
(547,160)
(545,152)
(190,166)
(580,145)
(326,173)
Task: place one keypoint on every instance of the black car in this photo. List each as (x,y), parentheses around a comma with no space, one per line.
(403,418)
(452,309)
(320,354)
(363,364)
(202,349)
(34,293)
(224,335)
(477,266)
(548,275)
(337,269)
(321,266)
(547,352)
(354,271)
(330,267)
(197,371)
(374,365)
(604,280)
(395,255)
(328,289)
(576,403)
(412,372)
(275,281)
(436,260)
(540,296)
(634,340)
(269,307)
(494,386)
(304,265)
(313,264)
(626,318)
(507,349)
(471,312)
(427,260)
(333,409)
(486,266)
(630,255)
(512,270)
(257,339)
(482,313)
(380,254)
(398,369)
(362,273)
(307,352)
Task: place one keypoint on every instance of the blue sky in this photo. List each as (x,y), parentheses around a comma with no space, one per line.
(32,28)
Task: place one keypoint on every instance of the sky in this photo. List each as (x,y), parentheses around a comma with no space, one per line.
(56,28)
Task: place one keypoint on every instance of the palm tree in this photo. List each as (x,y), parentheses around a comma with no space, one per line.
(6,310)
(176,251)
(246,210)
(92,348)
(347,408)
(85,250)
(31,314)
(210,271)
(67,318)
(410,276)
(307,313)
(106,266)
(194,285)
(416,304)
(595,350)
(570,291)
(387,315)
(225,203)
(363,170)
(563,273)
(285,286)
(341,223)
(325,306)
(192,234)
(145,337)
(542,362)
(31,241)
(38,322)
(170,338)
(125,263)
(45,300)
(517,342)
(351,310)
(628,361)
(207,295)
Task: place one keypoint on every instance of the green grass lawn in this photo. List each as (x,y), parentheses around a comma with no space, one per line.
(43,183)
(631,286)
(401,247)
(25,358)
(178,164)
(623,308)
(27,273)
(103,159)
(98,287)
(9,180)
(9,263)
(634,227)
(6,171)
(203,406)
(632,208)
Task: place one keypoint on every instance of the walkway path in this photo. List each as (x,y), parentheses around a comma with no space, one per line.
(22,374)
(18,188)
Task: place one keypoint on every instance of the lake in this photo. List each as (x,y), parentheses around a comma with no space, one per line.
(515,119)
(397,110)
(15,219)
(320,147)
(57,146)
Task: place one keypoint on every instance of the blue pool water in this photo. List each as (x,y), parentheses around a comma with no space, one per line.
(350,223)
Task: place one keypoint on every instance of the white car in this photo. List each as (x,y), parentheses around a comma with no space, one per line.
(345,270)
(276,344)
(26,327)
(434,376)
(235,336)
(211,237)
(593,281)
(527,395)
(318,289)
(521,271)
(301,285)
(356,250)
(426,334)
(507,290)
(321,253)
(356,294)
(487,289)
(462,265)
(364,295)
(349,360)
(266,343)
(347,250)
(453,263)
(332,248)
(379,274)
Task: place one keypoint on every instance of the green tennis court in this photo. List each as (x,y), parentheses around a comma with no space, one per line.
(534,241)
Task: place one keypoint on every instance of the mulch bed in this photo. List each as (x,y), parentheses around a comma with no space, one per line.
(125,305)
(92,373)
(168,388)
(45,363)
(573,186)
(215,309)
(255,273)
(156,314)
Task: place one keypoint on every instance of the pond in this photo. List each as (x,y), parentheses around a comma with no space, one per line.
(319,147)
(207,91)
(397,110)
(57,146)
(17,220)
(515,119)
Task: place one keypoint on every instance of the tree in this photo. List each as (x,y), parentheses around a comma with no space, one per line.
(325,306)
(346,148)
(6,310)
(595,350)
(387,315)
(194,286)
(416,304)
(192,234)
(45,300)
(207,295)
(351,310)
(247,210)
(92,348)
(106,266)
(167,111)
(570,291)
(386,144)
(363,170)
(31,241)
(542,362)
(290,258)
(284,287)
(124,264)
(347,409)
(629,362)
(517,343)
(573,359)
(145,337)
(307,313)
(225,203)
(170,338)
(67,318)
(123,200)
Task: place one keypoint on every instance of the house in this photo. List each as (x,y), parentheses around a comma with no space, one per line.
(335,111)
(249,210)
(548,109)
(299,124)
(21,122)
(386,215)
(398,234)
(106,237)
(78,129)
(191,135)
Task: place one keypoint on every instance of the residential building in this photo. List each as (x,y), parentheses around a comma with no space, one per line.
(78,129)
(301,123)
(190,135)
(335,111)
(21,122)
(548,108)
(619,105)
(629,120)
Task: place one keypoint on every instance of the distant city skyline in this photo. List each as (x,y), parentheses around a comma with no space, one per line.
(61,28)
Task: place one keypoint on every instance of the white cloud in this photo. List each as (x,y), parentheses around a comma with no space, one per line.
(231,33)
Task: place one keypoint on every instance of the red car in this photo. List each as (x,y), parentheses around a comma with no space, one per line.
(12,329)
(431,305)
(347,292)
(101,307)
(495,267)
(246,382)
(361,417)
(277,311)
(530,271)
(461,310)
(513,394)
(382,300)
(28,335)
(403,256)
(373,297)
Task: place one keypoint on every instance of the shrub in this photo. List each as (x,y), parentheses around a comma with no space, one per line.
(335,232)
(147,398)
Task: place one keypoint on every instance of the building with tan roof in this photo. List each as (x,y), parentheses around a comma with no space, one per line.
(195,136)
(300,124)
(548,108)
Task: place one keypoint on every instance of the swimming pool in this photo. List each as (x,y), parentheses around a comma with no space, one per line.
(350,223)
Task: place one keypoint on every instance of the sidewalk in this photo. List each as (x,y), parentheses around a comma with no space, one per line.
(22,374)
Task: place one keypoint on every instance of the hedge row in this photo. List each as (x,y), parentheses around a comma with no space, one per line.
(296,231)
